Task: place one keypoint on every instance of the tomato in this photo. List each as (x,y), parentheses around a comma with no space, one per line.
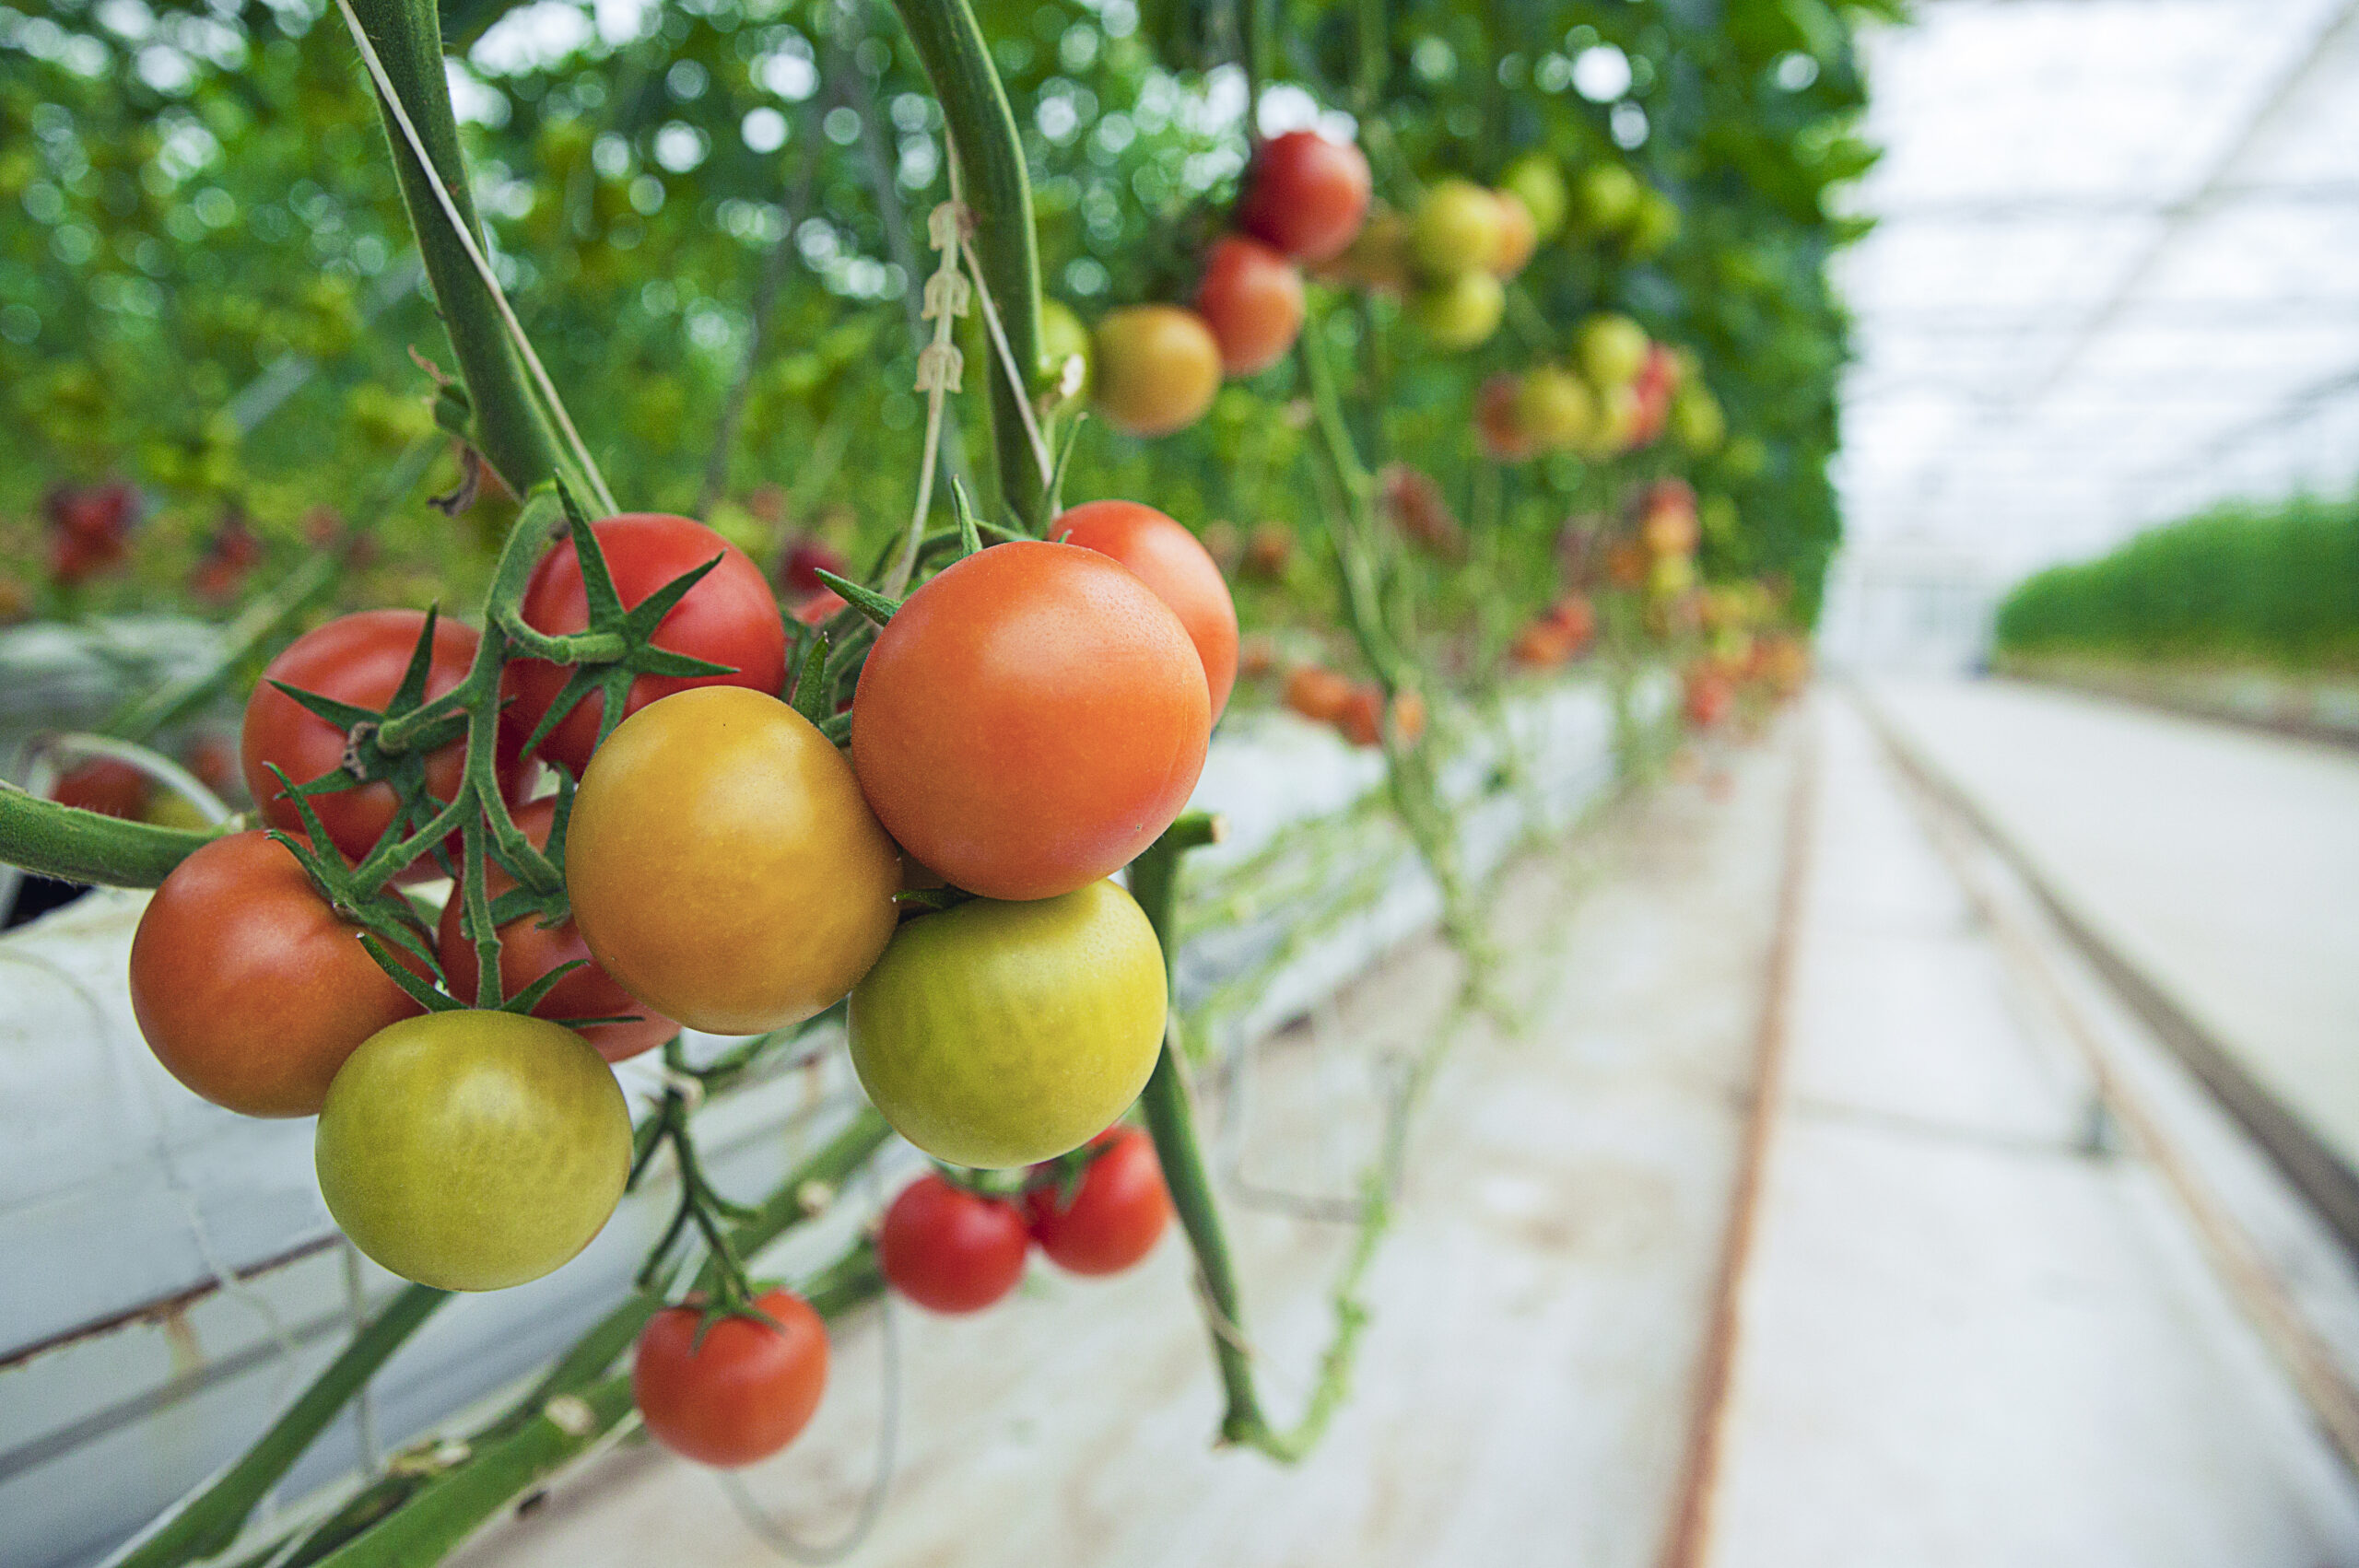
(1654,225)
(1535,180)
(1705,695)
(1607,197)
(1519,235)
(1030,718)
(357,660)
(997,1034)
(473,1150)
(103,785)
(1378,260)
(1498,424)
(727,619)
(1318,695)
(799,572)
(1362,720)
(1612,349)
(1157,368)
(1063,339)
(737,1391)
(951,1250)
(1540,646)
(1456,229)
(1573,616)
(1306,194)
(529,950)
(1269,550)
(1696,418)
(1175,567)
(1667,525)
(248,987)
(1408,716)
(1252,299)
(1558,408)
(722,865)
(1461,312)
(1619,427)
(1117,1214)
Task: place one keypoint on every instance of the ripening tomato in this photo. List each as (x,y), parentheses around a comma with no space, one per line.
(1029,720)
(1362,718)
(722,865)
(1535,180)
(996,1035)
(1176,566)
(1117,1214)
(1612,349)
(951,1250)
(473,1150)
(1542,645)
(248,987)
(529,950)
(1498,424)
(1318,695)
(1252,299)
(357,660)
(1306,194)
(103,785)
(1705,694)
(1157,368)
(735,1392)
(1457,229)
(1519,235)
(729,617)
(1558,408)
(1461,312)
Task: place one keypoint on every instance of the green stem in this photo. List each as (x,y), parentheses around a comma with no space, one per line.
(72,844)
(998,195)
(509,428)
(212,1519)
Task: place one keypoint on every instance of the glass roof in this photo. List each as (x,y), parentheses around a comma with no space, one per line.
(2115,273)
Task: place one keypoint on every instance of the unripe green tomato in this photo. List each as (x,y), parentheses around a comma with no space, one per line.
(1535,178)
(1605,198)
(996,1035)
(1745,457)
(1062,338)
(1655,224)
(1696,418)
(1718,516)
(1157,368)
(473,1150)
(1461,312)
(1556,408)
(1620,410)
(1456,229)
(1612,349)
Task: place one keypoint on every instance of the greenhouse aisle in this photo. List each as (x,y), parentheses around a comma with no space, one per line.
(2221,861)
(1967,1339)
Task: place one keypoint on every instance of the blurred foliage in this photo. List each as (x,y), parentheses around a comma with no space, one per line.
(203,218)
(2245,584)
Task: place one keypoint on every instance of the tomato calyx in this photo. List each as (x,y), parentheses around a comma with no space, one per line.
(1061,1177)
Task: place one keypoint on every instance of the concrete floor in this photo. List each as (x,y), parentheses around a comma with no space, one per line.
(1965,1341)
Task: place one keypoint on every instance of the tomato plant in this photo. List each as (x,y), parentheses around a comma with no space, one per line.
(248,987)
(1176,566)
(1029,720)
(727,619)
(996,1035)
(473,1150)
(723,866)
(1307,195)
(1156,368)
(1252,299)
(356,659)
(949,1250)
(531,947)
(735,1390)
(1116,1213)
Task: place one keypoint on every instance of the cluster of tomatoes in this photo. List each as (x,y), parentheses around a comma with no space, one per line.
(1747,656)
(89,529)
(1355,708)
(1156,367)
(1616,393)
(1026,722)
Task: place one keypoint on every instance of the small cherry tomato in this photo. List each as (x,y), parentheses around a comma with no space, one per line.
(1362,720)
(1612,349)
(1607,197)
(951,1250)
(1461,312)
(357,660)
(103,785)
(1306,194)
(1063,339)
(1519,235)
(1117,1214)
(473,1150)
(1029,720)
(1252,299)
(997,1034)
(1535,180)
(1457,229)
(1175,565)
(1157,368)
(248,987)
(737,1391)
(1558,408)
(529,950)
(729,617)
(1318,695)
(1498,421)
(723,866)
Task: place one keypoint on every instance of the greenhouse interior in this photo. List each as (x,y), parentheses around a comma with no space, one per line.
(1692,725)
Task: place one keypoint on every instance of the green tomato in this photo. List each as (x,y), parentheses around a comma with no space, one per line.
(1558,408)
(473,1150)
(1654,225)
(1535,180)
(996,1035)
(1061,337)
(1612,349)
(1461,312)
(1457,229)
(1607,197)
(1696,417)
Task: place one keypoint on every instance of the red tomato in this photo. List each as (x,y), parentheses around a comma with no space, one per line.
(820,608)
(1318,695)
(951,1250)
(1175,565)
(806,559)
(1707,693)
(359,659)
(1117,1214)
(729,617)
(248,988)
(740,1395)
(1251,297)
(1030,718)
(104,786)
(1498,423)
(529,950)
(1306,195)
